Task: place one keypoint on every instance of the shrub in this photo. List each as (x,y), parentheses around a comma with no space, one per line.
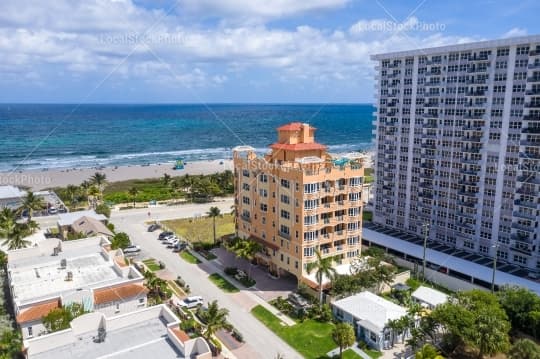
(161,265)
(110,225)
(237,335)
(104,210)
(231,270)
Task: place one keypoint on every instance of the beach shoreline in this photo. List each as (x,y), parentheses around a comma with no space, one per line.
(38,180)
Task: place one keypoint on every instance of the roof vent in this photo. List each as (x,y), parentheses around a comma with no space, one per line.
(63,263)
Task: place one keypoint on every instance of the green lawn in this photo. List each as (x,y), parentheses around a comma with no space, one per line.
(201,229)
(188,257)
(350,354)
(149,189)
(151,264)
(223,283)
(310,338)
(372,353)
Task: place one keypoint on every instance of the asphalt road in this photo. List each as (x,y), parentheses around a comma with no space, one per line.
(260,341)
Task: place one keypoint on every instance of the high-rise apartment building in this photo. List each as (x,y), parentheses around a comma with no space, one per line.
(298,199)
(458,147)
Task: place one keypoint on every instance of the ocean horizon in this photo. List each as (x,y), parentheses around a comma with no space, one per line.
(55,136)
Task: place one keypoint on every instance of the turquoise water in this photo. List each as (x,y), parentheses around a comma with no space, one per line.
(66,136)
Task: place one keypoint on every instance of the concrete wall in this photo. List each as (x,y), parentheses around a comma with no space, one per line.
(124,306)
(37,329)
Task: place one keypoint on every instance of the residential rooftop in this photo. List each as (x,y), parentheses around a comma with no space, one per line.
(7,192)
(430,296)
(371,311)
(148,333)
(67,219)
(37,274)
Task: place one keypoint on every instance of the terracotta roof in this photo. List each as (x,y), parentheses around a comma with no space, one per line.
(38,311)
(298,146)
(293,126)
(180,334)
(122,292)
(90,226)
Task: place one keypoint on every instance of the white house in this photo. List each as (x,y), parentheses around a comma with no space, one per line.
(151,332)
(429,297)
(11,197)
(86,271)
(369,314)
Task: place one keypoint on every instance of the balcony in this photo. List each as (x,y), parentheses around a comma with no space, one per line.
(521,238)
(524,215)
(472,138)
(284,235)
(529,143)
(531,130)
(524,227)
(531,117)
(522,203)
(476,93)
(533,79)
(245,218)
(535,52)
(533,66)
(529,179)
(521,249)
(532,104)
(476,82)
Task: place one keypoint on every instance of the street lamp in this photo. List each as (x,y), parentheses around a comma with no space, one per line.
(494,268)
(425,229)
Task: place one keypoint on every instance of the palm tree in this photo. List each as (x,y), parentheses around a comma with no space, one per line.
(99,179)
(31,203)
(343,335)
(16,239)
(8,222)
(214,319)
(133,192)
(524,349)
(213,213)
(323,268)
(93,193)
(428,351)
(247,249)
(71,192)
(166,179)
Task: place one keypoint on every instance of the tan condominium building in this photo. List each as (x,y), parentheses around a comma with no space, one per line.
(298,199)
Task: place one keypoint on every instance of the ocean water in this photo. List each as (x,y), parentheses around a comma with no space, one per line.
(39,136)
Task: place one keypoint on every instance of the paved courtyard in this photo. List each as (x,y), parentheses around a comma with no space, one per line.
(266,287)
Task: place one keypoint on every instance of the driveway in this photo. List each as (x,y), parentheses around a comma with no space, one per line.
(260,341)
(266,287)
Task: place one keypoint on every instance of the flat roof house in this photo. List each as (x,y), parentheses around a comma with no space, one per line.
(151,332)
(429,297)
(369,314)
(11,197)
(55,273)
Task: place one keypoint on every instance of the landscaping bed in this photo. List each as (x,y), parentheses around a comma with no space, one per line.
(153,265)
(311,338)
(240,276)
(222,283)
(188,257)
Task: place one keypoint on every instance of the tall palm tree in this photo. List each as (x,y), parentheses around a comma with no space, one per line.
(71,192)
(133,192)
(214,319)
(213,213)
(323,267)
(8,222)
(99,179)
(31,203)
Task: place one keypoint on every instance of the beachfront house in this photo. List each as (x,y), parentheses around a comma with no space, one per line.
(11,197)
(369,314)
(84,224)
(428,297)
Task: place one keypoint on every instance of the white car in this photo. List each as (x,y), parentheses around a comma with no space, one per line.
(132,249)
(191,302)
(171,240)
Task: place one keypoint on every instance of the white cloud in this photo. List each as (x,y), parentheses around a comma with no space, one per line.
(258,8)
(516,31)
(98,36)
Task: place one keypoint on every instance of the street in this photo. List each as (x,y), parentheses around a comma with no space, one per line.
(260,341)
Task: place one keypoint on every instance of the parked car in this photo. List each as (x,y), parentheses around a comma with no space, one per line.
(298,300)
(180,246)
(153,227)
(164,235)
(191,302)
(132,249)
(172,243)
(171,239)
(53,210)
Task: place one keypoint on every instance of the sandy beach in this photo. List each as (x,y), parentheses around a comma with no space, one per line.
(41,179)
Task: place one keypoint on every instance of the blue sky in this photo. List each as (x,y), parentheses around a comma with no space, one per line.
(203,51)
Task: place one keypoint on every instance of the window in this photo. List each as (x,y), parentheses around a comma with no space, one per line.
(311,236)
(355,181)
(309,251)
(284,230)
(263,193)
(285,199)
(285,183)
(520,259)
(263,178)
(264,207)
(245,200)
(117,308)
(310,220)
(30,332)
(245,186)
(311,204)
(245,173)
(285,214)
(311,187)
